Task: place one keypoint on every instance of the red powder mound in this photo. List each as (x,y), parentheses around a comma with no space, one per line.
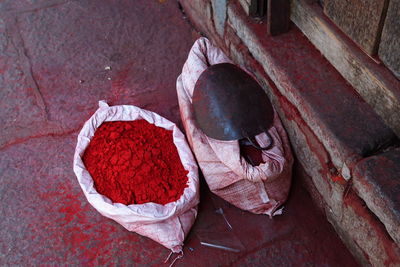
(134,162)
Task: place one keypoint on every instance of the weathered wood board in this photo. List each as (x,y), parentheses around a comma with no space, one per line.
(362,20)
(375,83)
(389,48)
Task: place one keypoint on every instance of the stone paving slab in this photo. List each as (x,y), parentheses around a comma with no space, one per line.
(57,57)
(377,181)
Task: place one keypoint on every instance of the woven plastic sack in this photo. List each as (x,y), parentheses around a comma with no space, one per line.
(259,189)
(166,224)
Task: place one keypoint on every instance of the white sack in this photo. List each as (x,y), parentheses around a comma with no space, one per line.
(167,224)
(259,189)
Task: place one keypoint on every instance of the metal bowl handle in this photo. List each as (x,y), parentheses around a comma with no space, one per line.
(255,145)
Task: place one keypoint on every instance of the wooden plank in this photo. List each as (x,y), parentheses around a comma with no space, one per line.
(375,83)
(278,16)
(389,48)
(362,21)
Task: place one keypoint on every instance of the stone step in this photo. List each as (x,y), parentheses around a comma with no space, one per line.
(369,77)
(377,180)
(346,125)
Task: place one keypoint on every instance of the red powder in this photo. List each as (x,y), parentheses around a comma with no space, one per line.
(251,154)
(134,162)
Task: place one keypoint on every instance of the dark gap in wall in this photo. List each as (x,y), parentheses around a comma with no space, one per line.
(390,144)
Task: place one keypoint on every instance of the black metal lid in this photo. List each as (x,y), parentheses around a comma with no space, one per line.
(230,105)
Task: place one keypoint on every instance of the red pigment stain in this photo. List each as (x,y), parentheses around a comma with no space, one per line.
(119,81)
(135,162)
(312,141)
(338,179)
(70,229)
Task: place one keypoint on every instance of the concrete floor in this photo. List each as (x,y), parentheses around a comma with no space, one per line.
(53,59)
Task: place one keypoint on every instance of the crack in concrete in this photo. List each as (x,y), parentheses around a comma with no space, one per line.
(284,236)
(36,88)
(9,36)
(48,134)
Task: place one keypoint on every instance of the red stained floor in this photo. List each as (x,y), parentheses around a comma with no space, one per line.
(54,67)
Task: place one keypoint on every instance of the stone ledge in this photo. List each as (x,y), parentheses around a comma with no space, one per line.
(373,81)
(346,125)
(377,180)
(358,227)
(363,232)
